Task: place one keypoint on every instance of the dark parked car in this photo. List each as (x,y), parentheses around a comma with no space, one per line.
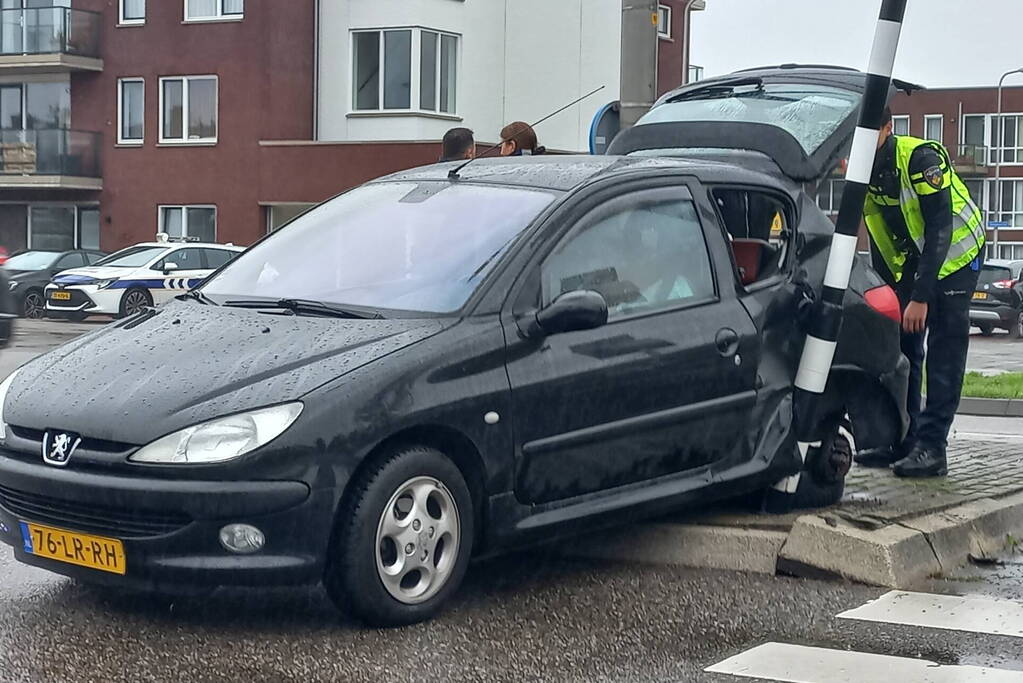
(431,367)
(996,301)
(30,271)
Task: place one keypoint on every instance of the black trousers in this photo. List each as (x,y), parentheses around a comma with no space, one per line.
(948,339)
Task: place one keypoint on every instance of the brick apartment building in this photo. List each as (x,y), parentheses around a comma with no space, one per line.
(965,120)
(221,119)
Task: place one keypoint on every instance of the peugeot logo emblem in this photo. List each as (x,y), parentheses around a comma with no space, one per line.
(58,447)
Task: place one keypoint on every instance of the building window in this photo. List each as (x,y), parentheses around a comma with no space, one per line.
(829,197)
(188,109)
(1012,251)
(63,227)
(131,112)
(191,222)
(934,127)
(974,137)
(132,12)
(664,21)
(900,125)
(384,62)
(1009,209)
(211,10)
(280,214)
(1010,141)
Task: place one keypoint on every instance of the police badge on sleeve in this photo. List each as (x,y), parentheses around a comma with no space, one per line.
(935,177)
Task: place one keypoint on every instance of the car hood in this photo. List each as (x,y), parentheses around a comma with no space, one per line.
(142,378)
(89,274)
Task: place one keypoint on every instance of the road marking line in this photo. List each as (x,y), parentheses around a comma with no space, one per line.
(950,612)
(802,664)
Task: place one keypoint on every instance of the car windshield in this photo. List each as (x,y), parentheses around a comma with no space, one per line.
(132,257)
(31,260)
(810,113)
(992,274)
(406,246)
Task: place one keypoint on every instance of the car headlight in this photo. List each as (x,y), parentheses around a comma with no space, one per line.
(5,386)
(225,438)
(103,284)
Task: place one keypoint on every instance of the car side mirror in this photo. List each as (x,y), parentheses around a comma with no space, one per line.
(573,311)
(169,267)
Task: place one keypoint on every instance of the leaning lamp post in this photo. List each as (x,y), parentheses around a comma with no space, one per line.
(826,322)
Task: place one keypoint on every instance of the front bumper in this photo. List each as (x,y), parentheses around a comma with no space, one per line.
(85,299)
(170,528)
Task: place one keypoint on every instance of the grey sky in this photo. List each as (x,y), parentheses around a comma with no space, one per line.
(944,42)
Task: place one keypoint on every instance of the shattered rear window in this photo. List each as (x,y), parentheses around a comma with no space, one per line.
(810,113)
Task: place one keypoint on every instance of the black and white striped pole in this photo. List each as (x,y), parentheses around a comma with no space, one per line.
(819,351)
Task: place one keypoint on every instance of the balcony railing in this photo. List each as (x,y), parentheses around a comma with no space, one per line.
(49,152)
(50,30)
(971,158)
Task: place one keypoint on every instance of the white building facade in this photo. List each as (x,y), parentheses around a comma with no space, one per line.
(405,70)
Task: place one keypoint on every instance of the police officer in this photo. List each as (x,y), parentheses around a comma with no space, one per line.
(927,240)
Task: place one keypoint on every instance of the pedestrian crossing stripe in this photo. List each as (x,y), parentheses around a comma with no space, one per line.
(804,664)
(948,612)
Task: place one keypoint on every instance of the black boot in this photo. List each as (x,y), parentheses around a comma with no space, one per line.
(882,457)
(922,462)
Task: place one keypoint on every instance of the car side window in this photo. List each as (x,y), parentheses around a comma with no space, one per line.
(74,260)
(215,258)
(646,254)
(185,259)
(758,231)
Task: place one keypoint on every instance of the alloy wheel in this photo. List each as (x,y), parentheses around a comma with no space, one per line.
(417,540)
(34,305)
(135,302)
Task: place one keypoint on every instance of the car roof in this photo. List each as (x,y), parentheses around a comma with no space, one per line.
(562,173)
(1002,263)
(214,245)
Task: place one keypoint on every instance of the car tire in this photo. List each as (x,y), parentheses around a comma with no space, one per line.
(986,329)
(33,306)
(1016,327)
(382,540)
(135,300)
(822,481)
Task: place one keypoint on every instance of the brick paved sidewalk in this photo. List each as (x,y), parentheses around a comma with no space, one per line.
(976,469)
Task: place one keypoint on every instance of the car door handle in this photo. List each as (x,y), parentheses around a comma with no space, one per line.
(727,342)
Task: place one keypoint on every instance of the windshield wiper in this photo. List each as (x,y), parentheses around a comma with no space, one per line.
(196,295)
(309,306)
(718,88)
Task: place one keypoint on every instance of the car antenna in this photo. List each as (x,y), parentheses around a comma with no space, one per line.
(453,173)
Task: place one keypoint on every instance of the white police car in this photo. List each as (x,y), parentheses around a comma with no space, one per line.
(129,280)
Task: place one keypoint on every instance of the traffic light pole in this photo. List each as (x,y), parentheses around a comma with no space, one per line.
(819,351)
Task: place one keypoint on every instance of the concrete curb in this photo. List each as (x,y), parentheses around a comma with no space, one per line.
(990,407)
(898,555)
(704,546)
(901,554)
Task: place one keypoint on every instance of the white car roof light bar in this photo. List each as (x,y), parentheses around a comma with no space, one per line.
(819,351)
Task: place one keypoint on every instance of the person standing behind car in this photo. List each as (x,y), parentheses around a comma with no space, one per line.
(518,138)
(927,241)
(458,145)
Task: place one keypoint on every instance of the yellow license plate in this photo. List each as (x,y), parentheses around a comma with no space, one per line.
(980,295)
(61,296)
(94,552)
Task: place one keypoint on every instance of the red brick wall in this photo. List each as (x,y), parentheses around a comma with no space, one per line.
(265,64)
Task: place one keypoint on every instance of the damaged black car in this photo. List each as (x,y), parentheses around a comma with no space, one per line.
(449,363)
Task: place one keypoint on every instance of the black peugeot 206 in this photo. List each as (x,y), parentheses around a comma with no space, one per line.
(445,363)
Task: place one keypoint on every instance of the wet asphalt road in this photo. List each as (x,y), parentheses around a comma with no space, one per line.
(525,617)
(519,618)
